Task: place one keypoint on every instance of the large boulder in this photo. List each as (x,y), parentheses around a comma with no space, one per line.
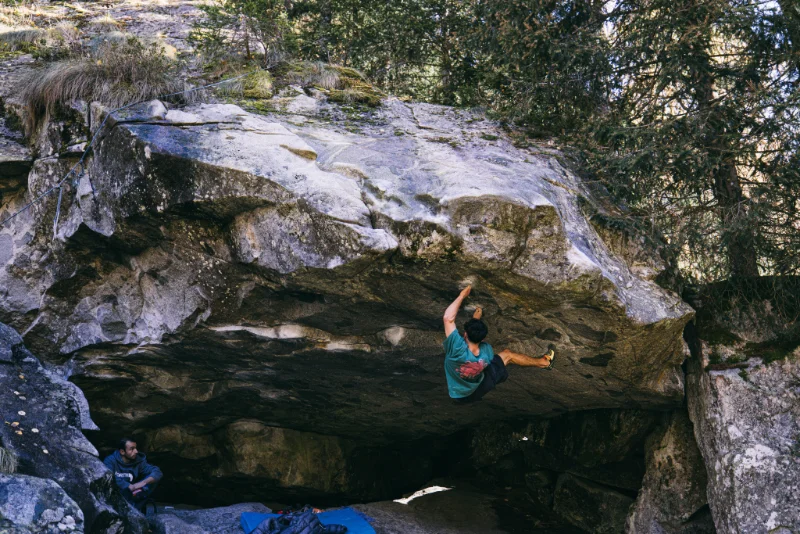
(292,269)
(747,426)
(743,390)
(44,415)
(672,499)
(31,505)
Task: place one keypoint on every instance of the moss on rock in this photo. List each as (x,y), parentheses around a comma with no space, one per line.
(258,85)
(339,84)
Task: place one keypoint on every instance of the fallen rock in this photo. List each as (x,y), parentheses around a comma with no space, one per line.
(223,520)
(44,415)
(590,506)
(672,499)
(36,506)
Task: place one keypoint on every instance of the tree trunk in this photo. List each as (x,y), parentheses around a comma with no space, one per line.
(791,15)
(737,236)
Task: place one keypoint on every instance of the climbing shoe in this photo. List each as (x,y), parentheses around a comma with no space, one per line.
(552,355)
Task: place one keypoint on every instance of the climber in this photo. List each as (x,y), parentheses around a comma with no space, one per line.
(137,480)
(471,366)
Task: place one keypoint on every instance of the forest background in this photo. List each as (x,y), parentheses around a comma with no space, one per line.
(686,110)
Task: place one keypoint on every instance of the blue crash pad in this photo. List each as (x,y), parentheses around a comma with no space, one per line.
(348,517)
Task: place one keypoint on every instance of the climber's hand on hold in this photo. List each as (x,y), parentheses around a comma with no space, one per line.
(549,358)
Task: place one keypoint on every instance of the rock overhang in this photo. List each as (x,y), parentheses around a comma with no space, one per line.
(228,226)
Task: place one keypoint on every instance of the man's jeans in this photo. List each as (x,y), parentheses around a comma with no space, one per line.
(140,499)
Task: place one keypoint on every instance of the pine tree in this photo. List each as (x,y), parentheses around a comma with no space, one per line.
(695,140)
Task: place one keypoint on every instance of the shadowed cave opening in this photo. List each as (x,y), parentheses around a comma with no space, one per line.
(534,473)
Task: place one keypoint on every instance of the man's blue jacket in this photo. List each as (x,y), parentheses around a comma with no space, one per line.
(130,473)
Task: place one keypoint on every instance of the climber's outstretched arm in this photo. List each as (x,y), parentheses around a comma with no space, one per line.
(524,360)
(452,311)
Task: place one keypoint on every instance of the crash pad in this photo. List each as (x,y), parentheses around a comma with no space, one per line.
(348,517)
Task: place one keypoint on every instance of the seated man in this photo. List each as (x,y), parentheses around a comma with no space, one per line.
(135,477)
(471,367)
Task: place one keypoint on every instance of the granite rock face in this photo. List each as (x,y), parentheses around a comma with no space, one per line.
(44,415)
(291,270)
(36,506)
(672,499)
(743,390)
(747,426)
(15,161)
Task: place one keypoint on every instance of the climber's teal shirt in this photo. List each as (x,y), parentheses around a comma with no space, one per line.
(464,370)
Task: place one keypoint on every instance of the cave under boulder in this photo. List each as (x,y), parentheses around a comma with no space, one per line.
(585,468)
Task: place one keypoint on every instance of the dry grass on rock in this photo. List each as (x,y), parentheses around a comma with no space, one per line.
(8,462)
(63,36)
(112,73)
(341,84)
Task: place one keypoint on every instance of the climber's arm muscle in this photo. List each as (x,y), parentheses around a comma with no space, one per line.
(452,311)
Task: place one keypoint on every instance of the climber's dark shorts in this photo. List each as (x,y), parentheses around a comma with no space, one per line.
(494,374)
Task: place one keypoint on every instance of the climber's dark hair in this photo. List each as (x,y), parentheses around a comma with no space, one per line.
(476,330)
(123,443)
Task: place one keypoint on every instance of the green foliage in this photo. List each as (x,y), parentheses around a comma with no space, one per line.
(408,47)
(744,375)
(235,29)
(697,138)
(545,63)
(686,111)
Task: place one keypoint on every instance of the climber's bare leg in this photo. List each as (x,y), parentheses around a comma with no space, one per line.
(523,360)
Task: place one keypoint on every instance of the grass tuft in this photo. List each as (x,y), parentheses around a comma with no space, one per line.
(8,461)
(256,85)
(341,84)
(60,39)
(114,74)
(106,23)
